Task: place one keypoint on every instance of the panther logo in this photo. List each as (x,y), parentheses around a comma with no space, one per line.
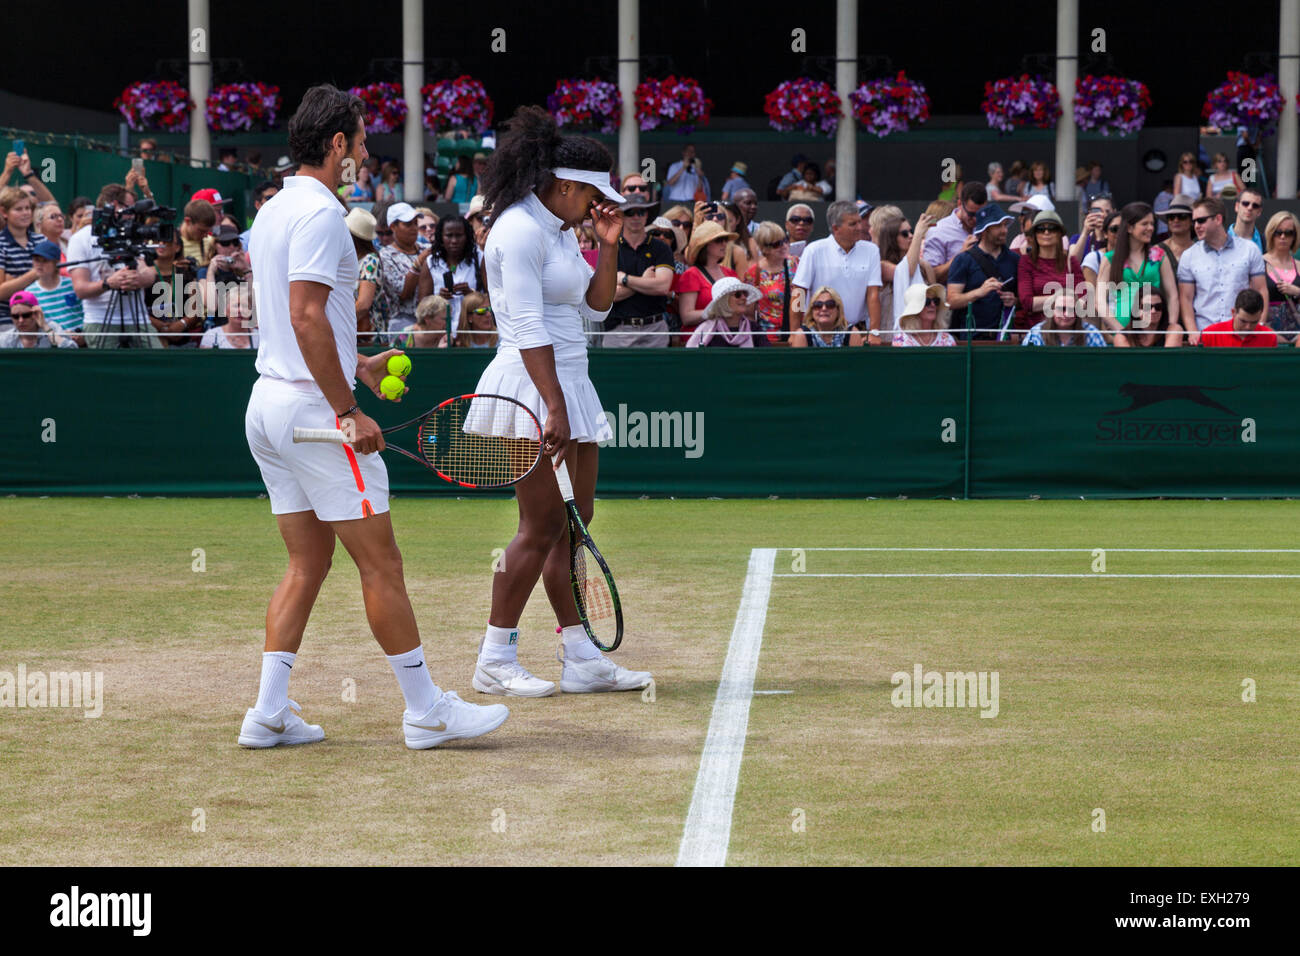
(1144,395)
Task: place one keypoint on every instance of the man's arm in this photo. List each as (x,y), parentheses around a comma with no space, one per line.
(1186,296)
(873,314)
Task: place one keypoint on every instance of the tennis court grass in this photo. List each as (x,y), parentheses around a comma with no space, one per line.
(1115,694)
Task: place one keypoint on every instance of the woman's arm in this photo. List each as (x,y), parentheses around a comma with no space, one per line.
(799,339)
(686,308)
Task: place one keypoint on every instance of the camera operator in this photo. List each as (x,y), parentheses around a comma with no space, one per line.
(93,281)
(174,301)
(686,180)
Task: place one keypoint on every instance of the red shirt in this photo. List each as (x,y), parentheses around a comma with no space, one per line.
(694,280)
(1221,334)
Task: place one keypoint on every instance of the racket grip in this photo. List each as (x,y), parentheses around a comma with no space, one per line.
(320,434)
(562,479)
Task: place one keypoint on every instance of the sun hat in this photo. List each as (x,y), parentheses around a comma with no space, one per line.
(725,287)
(1179,205)
(1037,203)
(990,215)
(739,167)
(401,212)
(914,303)
(475,206)
(361,223)
(1049,215)
(703,234)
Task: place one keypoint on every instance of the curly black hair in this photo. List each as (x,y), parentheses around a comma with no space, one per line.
(528,150)
(470,254)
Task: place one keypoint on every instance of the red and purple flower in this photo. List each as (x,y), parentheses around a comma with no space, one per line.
(1110,104)
(1244,100)
(804,106)
(162,106)
(461,103)
(676,99)
(240,107)
(586,104)
(385,106)
(890,105)
(1021,101)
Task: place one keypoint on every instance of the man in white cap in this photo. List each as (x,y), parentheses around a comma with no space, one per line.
(400,266)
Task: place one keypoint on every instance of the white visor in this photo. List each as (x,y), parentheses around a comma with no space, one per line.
(591,177)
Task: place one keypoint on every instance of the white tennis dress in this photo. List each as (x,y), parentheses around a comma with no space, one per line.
(537,280)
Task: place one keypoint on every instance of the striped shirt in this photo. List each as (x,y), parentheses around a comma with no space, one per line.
(60,304)
(1092,336)
(15,259)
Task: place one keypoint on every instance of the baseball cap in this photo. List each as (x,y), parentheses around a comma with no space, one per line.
(23,298)
(1036,203)
(990,215)
(211,195)
(47,249)
(400,212)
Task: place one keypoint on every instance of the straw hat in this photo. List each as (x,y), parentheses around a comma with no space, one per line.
(725,287)
(914,304)
(361,223)
(702,235)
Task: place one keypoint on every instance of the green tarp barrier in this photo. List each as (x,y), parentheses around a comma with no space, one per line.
(853,423)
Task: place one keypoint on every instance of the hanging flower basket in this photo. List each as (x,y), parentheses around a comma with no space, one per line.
(890,105)
(385,106)
(1110,104)
(803,106)
(1244,100)
(462,103)
(241,107)
(594,105)
(678,100)
(1024,100)
(158,107)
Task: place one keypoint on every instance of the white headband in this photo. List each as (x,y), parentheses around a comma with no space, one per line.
(592,178)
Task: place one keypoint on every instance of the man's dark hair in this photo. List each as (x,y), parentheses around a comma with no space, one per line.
(1254,191)
(1249,300)
(324,111)
(114,193)
(260,190)
(1213,207)
(973,191)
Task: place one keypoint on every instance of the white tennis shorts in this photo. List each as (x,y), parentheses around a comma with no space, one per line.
(331,480)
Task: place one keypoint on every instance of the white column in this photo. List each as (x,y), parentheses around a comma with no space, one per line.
(200,36)
(846,80)
(1288,78)
(629,74)
(1067,69)
(412,77)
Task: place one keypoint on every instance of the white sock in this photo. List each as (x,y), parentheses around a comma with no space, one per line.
(500,645)
(413,677)
(577,645)
(273,694)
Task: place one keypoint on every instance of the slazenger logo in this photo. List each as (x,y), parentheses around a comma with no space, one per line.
(657,430)
(1121,427)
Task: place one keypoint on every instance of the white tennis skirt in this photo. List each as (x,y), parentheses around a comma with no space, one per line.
(507,376)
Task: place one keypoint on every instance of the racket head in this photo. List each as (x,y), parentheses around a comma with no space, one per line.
(481,441)
(595,594)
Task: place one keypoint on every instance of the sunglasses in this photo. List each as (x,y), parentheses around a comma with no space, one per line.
(1178,215)
(1250,205)
(905,233)
(802,220)
(824,304)
(1201,220)
(635,212)
(1046,228)
(716,217)
(1112,229)
(383,232)
(661,234)
(637,189)
(682,223)
(934,302)
(776,245)
(21,315)
(481,311)
(741,295)
(1288,233)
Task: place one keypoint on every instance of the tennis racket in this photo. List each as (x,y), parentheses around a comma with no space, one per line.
(475,441)
(593,586)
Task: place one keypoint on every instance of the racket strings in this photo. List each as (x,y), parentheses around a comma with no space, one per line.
(592,593)
(480,441)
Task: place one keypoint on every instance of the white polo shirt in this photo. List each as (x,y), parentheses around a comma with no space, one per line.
(825,262)
(299,235)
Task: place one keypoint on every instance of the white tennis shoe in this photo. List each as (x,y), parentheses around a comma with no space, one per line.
(510,679)
(598,675)
(451,719)
(286,727)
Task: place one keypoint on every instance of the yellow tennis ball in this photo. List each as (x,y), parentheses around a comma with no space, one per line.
(399,365)
(392,387)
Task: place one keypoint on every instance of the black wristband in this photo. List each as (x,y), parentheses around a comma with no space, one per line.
(351,411)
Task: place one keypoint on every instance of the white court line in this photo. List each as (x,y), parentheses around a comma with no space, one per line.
(708,822)
(977,574)
(1078,550)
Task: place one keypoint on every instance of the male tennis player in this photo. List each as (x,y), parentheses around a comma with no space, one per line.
(306,268)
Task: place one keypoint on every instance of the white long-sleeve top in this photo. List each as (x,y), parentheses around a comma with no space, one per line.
(537,279)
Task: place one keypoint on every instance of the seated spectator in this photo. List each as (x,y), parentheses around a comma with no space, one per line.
(1064,325)
(1222,177)
(1245,329)
(1178,217)
(848,264)
(682,218)
(50,223)
(383,231)
(1045,271)
(806,189)
(360,190)
(430,328)
(1248,207)
(426,220)
(200,218)
(80,213)
(454,267)
(478,326)
(54,292)
(954,233)
(740,253)
(996,188)
(586,235)
(772,274)
(1212,272)
(826,327)
(389,186)
(1093,185)
(925,318)
(1280,273)
(175,306)
(1025,212)
(464,184)
(1040,182)
(402,267)
(1017,182)
(791,178)
(900,262)
(229,159)
(479,218)
(982,280)
(726,322)
(694,287)
(1090,263)
(674,237)
(31,330)
(827,183)
(239,331)
(798,226)
(1093,233)
(747,202)
(1134,268)
(1153,323)
(735,180)
(1187,181)
(17,241)
(368,299)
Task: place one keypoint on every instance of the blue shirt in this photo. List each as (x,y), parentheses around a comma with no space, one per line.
(1092,336)
(966,272)
(1256,238)
(1218,276)
(683,190)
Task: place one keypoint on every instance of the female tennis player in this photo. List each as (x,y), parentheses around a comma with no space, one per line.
(540,186)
